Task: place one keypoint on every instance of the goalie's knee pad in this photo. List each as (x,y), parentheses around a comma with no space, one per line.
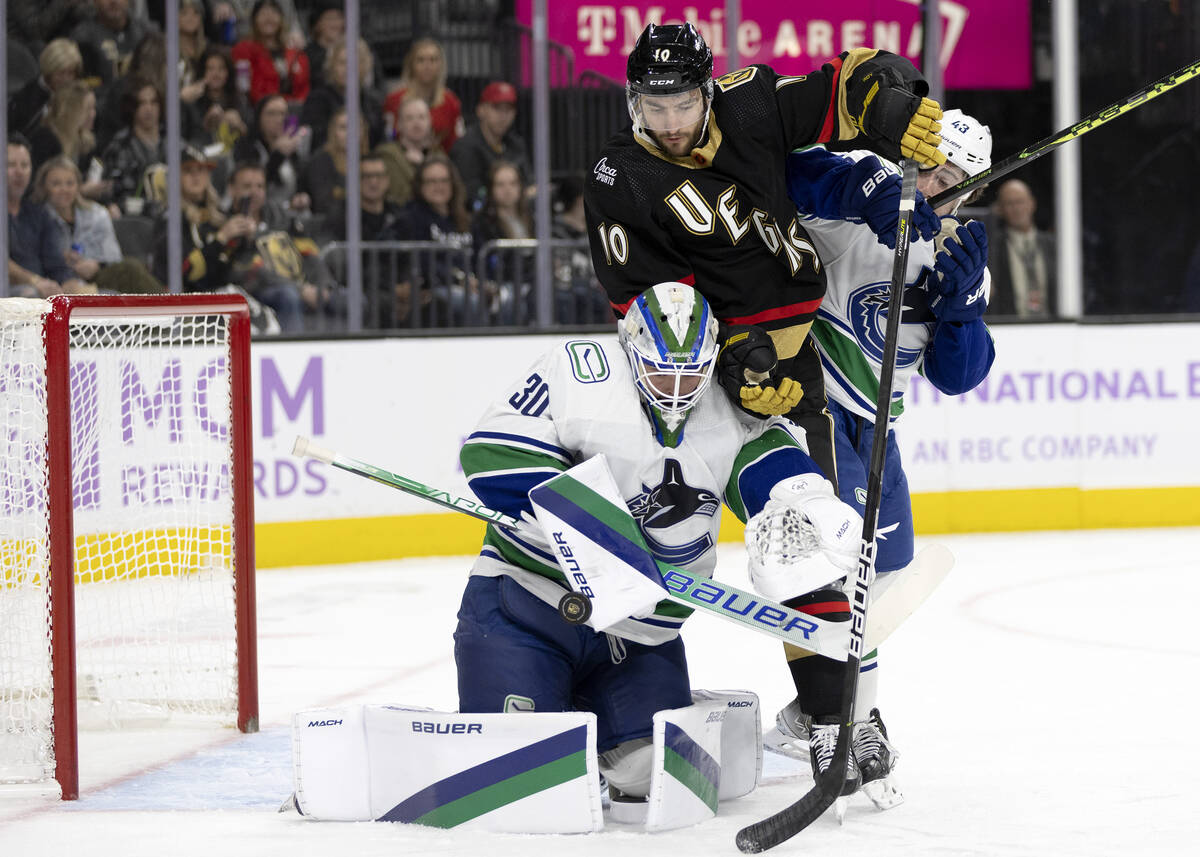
(629,766)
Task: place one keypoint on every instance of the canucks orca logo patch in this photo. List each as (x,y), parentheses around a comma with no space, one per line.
(867,312)
(672,502)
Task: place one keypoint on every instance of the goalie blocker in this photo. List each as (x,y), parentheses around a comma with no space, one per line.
(519,773)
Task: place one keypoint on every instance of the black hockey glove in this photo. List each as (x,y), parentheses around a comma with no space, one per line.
(873,194)
(744,366)
(885,97)
(957,280)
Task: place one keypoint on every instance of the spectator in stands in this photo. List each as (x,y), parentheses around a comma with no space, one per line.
(34,23)
(331,96)
(326,27)
(60,63)
(192,45)
(380,217)
(444,287)
(268,253)
(280,148)
(325,177)
(36,266)
(224,112)
(490,140)
(379,221)
(1022,258)
(402,156)
(275,67)
(136,146)
(424,74)
(109,38)
(87,232)
(147,62)
(203,241)
(509,272)
(578,296)
(66,129)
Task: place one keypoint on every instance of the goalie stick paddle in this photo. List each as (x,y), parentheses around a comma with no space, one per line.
(788,822)
(1080,128)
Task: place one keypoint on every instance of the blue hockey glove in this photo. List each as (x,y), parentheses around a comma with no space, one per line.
(873,194)
(957,281)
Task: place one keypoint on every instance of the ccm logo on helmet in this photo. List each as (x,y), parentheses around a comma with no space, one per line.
(661,82)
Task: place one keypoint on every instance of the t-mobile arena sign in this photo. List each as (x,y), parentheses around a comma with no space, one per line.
(985,43)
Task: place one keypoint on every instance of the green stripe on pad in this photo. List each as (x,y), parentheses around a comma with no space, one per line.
(507,791)
(604,510)
(695,782)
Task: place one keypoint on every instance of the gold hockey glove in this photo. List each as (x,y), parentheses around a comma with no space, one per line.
(885,99)
(922,137)
(772,401)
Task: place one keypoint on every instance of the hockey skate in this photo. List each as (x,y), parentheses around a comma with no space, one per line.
(876,759)
(789,736)
(822,741)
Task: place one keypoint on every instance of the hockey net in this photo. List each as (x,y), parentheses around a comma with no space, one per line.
(126,569)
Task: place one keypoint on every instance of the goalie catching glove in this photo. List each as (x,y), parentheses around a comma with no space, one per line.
(744,370)
(803,539)
(885,97)
(957,282)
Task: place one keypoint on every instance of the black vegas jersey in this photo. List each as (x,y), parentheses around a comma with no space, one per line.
(721,219)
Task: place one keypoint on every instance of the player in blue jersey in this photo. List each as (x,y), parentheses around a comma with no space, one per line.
(677,449)
(942,336)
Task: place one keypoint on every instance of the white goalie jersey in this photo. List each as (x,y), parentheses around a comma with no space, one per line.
(579,401)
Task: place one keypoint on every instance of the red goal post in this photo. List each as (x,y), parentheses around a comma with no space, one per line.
(126,484)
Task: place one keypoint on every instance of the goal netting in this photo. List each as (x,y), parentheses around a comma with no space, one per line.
(126,579)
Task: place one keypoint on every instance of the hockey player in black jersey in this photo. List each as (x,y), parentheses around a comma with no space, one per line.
(694,192)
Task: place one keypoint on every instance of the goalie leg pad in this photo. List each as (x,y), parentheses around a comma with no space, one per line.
(513,773)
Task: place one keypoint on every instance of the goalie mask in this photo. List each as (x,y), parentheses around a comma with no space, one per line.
(669,335)
(669,86)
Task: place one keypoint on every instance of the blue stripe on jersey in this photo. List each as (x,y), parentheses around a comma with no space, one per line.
(507,492)
(509,535)
(522,439)
(852,392)
(758,477)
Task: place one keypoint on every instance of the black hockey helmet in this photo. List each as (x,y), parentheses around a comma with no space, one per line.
(669,58)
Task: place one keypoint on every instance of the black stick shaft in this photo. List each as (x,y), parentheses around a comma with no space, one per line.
(1080,128)
(788,822)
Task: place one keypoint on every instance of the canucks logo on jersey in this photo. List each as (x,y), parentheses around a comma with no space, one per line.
(672,502)
(867,313)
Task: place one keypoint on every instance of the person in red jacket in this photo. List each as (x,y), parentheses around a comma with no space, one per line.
(424,74)
(274,68)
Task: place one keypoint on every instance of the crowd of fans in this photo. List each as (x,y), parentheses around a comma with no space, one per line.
(263,120)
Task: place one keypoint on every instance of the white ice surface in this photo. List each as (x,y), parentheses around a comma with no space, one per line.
(1043,702)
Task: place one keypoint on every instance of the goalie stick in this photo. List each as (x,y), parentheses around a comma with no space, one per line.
(829,639)
(825,791)
(1031,153)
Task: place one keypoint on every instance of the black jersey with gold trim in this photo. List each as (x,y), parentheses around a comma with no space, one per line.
(721,218)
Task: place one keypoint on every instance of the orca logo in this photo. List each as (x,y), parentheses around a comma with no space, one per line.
(672,502)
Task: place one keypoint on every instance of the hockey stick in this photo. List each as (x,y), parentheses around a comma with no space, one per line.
(720,599)
(828,787)
(1077,130)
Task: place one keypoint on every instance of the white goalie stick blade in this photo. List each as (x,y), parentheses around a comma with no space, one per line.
(896,595)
